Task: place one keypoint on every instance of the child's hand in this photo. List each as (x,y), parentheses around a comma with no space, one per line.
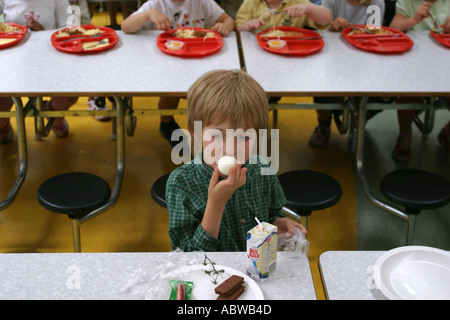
(422,11)
(221,191)
(447,25)
(285,225)
(34,25)
(251,25)
(221,28)
(338,24)
(297,10)
(161,21)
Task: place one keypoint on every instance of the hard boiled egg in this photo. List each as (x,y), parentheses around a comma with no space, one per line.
(225,164)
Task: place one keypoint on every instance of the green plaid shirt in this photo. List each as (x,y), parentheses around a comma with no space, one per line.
(186,196)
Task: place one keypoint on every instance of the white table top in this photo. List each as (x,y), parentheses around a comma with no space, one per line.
(347,275)
(135,66)
(341,69)
(132,275)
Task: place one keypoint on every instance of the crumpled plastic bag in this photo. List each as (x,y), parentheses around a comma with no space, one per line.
(149,283)
(294,241)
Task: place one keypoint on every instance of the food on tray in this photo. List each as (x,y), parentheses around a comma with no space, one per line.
(191,33)
(95,44)
(6,40)
(174,45)
(77,31)
(231,288)
(4,27)
(276,44)
(370,30)
(281,33)
(225,164)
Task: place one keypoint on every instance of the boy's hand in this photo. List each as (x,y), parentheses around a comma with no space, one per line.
(251,25)
(422,11)
(161,21)
(297,10)
(285,225)
(221,28)
(338,24)
(221,191)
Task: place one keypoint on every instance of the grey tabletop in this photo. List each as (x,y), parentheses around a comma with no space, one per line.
(341,69)
(133,275)
(347,275)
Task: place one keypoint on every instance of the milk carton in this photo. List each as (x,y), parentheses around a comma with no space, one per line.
(261,251)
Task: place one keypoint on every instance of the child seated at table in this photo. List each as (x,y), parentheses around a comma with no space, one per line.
(207,210)
(345,12)
(170,14)
(416,15)
(257,15)
(36,15)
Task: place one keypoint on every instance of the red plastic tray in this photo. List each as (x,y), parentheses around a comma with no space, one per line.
(444,39)
(17,36)
(381,43)
(193,47)
(64,44)
(293,47)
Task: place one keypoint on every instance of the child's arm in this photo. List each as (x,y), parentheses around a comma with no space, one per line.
(224,25)
(219,192)
(34,25)
(402,23)
(135,22)
(250,25)
(320,15)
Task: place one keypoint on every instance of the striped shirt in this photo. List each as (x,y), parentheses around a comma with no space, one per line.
(186,195)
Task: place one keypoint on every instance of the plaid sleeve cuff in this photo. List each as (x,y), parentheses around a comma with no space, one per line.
(204,241)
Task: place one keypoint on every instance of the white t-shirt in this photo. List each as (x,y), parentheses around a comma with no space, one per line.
(51,14)
(190,13)
(353,14)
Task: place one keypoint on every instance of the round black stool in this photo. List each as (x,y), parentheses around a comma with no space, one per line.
(307,191)
(158,190)
(76,194)
(415,190)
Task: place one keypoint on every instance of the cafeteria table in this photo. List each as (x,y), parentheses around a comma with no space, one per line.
(117,276)
(134,67)
(347,275)
(341,70)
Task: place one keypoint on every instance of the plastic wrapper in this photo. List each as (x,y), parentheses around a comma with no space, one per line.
(294,241)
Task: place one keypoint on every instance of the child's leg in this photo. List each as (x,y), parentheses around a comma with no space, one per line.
(168,103)
(444,137)
(402,149)
(168,124)
(321,133)
(60,126)
(5,105)
(6,131)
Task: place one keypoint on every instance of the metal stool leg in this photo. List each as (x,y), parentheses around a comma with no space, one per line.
(76,235)
(411,228)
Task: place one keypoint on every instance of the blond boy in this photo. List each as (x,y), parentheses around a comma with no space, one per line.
(211,212)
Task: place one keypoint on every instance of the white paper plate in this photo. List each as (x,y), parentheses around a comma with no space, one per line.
(414,273)
(203,288)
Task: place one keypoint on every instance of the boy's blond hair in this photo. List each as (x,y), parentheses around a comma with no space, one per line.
(231,95)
